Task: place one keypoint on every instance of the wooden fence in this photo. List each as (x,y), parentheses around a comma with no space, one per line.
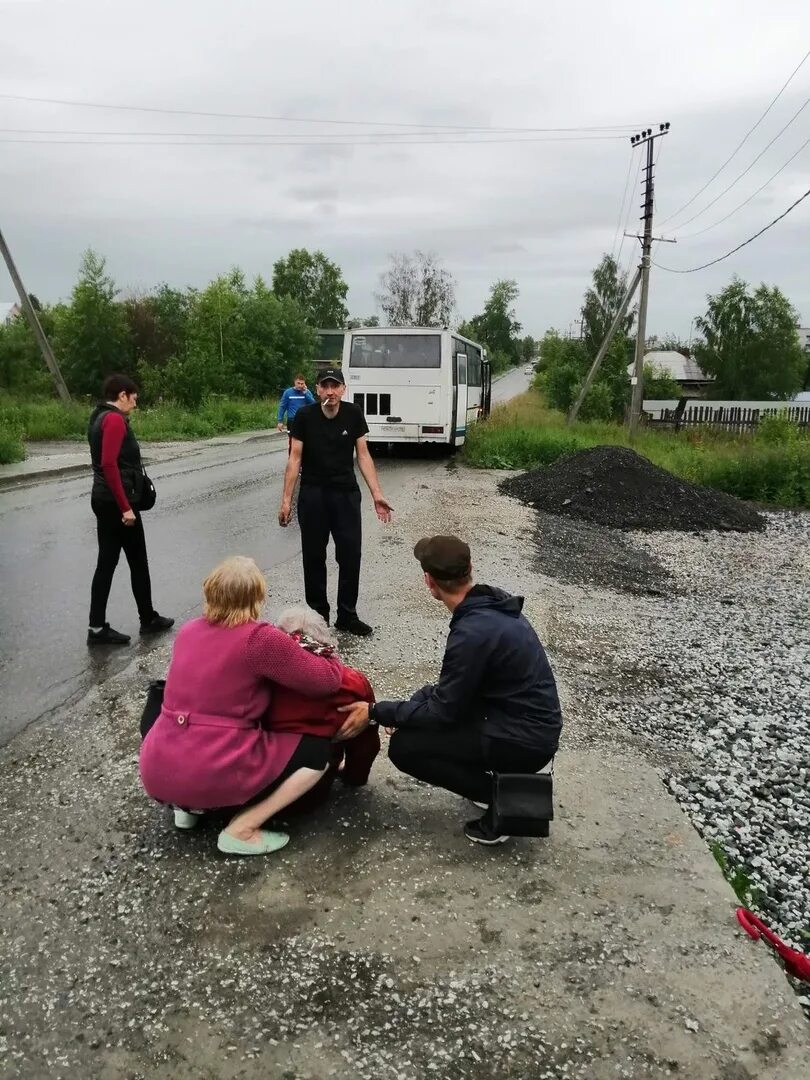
(728,418)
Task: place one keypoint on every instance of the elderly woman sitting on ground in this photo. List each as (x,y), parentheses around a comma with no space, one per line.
(209,747)
(292,711)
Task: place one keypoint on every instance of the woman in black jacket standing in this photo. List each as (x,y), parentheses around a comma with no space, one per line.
(117,490)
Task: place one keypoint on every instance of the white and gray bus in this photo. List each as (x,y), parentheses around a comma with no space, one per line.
(416,384)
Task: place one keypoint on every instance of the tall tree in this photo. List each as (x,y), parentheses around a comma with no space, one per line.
(91,332)
(751,343)
(316,283)
(601,305)
(417,291)
(497,326)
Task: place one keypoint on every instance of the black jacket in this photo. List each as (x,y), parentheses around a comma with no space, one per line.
(129,459)
(495,675)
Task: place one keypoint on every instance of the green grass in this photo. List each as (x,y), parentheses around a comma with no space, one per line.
(525,434)
(11,442)
(736,876)
(38,421)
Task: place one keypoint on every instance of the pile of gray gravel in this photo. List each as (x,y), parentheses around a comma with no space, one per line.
(615,486)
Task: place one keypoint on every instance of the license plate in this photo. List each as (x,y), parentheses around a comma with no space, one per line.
(393,427)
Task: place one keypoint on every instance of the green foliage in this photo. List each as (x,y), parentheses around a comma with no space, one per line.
(527,349)
(496,327)
(751,344)
(565,362)
(91,334)
(240,341)
(777,430)
(737,877)
(526,434)
(316,284)
(37,420)
(158,325)
(11,435)
(181,346)
(602,303)
(659,384)
(22,369)
(45,420)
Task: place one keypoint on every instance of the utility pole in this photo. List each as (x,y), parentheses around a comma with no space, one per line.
(646,250)
(34,323)
(641,275)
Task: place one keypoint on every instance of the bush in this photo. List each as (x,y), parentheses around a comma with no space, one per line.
(777,429)
(41,420)
(11,436)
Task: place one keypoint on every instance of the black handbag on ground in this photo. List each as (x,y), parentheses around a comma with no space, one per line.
(522,803)
(154,703)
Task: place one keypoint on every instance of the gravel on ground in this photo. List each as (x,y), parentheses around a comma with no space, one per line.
(380,944)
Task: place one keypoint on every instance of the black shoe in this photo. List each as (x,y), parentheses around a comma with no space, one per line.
(482,832)
(156,625)
(355,626)
(106,636)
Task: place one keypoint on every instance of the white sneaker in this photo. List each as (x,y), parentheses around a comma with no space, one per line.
(186,819)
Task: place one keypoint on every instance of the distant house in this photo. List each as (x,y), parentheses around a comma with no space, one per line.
(683,369)
(8,311)
(804,337)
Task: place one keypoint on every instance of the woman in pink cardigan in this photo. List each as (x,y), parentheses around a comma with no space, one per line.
(208,749)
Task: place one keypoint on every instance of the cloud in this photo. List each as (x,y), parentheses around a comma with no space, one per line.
(542,212)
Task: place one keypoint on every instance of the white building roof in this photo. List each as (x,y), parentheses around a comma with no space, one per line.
(681,368)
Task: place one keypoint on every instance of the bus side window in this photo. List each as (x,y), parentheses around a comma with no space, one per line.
(360,399)
(461,368)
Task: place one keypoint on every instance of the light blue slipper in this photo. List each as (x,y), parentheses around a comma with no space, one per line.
(270,842)
(186,819)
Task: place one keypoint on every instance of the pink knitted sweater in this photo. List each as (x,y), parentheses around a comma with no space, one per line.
(208,749)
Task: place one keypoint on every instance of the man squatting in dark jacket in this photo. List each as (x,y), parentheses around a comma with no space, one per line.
(495,707)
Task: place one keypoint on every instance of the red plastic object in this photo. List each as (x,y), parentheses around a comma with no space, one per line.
(796,963)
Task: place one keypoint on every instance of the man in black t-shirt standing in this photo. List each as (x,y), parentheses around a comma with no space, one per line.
(324,440)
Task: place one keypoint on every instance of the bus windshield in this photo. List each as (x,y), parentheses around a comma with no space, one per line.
(396,351)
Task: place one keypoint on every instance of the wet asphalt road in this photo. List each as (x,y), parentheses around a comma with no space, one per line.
(220,501)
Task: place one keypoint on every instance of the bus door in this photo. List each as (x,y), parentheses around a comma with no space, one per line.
(486,388)
(459,398)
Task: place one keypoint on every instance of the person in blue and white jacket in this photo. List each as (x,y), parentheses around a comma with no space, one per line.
(294,398)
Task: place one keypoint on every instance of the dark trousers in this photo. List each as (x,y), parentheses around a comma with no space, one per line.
(459,759)
(113,537)
(325,512)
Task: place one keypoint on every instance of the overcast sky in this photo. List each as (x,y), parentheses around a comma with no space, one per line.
(542,212)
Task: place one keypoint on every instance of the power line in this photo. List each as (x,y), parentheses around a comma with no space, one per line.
(627,219)
(700,232)
(369,140)
(734,182)
(624,200)
(694,269)
(742,142)
(304,119)
(273,134)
